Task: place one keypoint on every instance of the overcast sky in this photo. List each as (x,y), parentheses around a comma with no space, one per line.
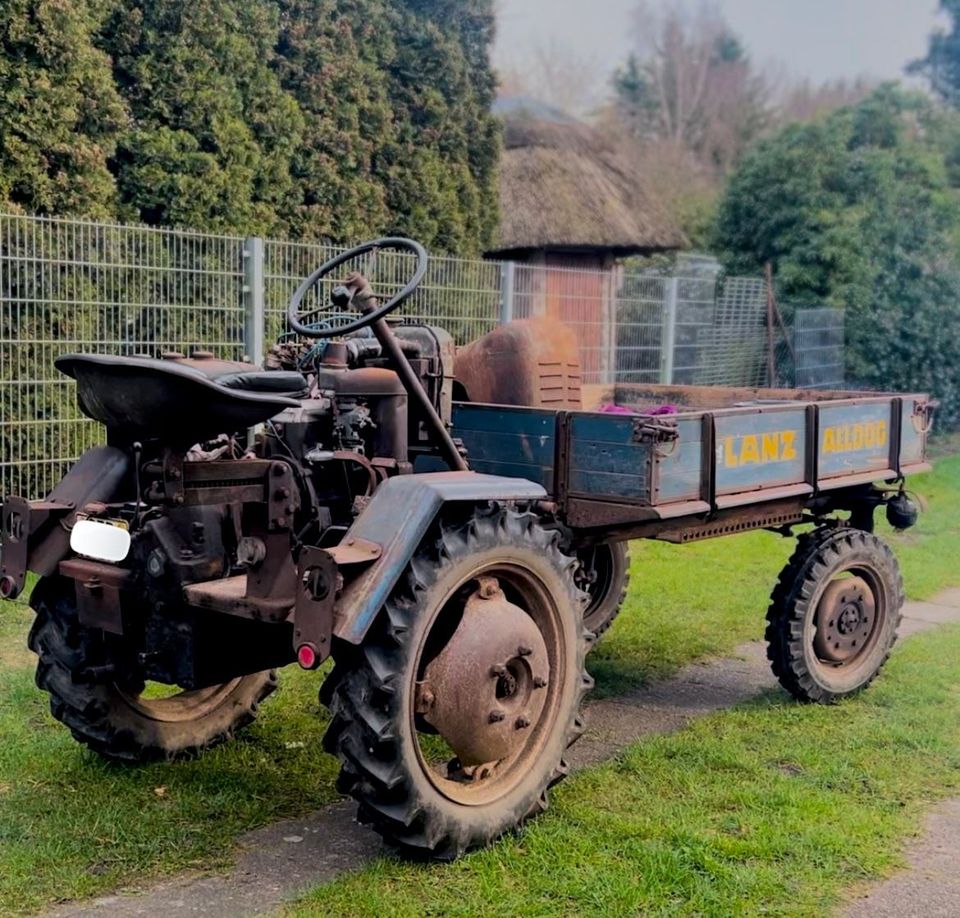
(819,39)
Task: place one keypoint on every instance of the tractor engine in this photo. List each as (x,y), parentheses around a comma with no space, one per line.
(222,516)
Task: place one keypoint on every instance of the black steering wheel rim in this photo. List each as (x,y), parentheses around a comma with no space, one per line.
(392,242)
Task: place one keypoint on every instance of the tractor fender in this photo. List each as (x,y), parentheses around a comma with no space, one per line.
(97,476)
(397,518)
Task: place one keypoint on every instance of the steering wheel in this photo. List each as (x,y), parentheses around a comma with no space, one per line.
(343,296)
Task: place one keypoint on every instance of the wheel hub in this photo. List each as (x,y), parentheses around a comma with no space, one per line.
(845,618)
(484,692)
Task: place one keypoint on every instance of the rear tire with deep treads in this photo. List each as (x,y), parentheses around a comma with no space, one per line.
(374,728)
(113,720)
(825,561)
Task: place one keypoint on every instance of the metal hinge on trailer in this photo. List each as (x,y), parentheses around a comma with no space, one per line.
(656,432)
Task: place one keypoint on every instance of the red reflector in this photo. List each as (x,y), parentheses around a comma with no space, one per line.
(307,656)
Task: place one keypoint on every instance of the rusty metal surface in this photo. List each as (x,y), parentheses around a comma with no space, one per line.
(355,551)
(846,616)
(397,517)
(626,521)
(98,589)
(484,691)
(15,527)
(229,595)
(317,581)
(101,474)
(533,362)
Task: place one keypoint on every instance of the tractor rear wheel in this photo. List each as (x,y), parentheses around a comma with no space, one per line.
(120,721)
(834,614)
(604,575)
(452,718)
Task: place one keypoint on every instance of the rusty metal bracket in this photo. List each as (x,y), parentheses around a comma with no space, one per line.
(98,592)
(317,586)
(355,551)
(173,476)
(646,430)
(922,417)
(283,496)
(19,520)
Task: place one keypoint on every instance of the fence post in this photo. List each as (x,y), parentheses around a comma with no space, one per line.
(254,315)
(668,339)
(608,355)
(508,275)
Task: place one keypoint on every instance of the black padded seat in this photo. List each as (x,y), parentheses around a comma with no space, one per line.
(276,382)
(137,398)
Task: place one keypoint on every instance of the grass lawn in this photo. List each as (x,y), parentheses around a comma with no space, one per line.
(73,826)
(772,808)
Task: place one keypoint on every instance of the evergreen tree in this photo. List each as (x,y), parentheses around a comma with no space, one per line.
(59,110)
(321,119)
(441,169)
(858,211)
(941,66)
(330,58)
(213,133)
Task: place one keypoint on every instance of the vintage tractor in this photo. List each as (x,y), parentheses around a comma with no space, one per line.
(455,558)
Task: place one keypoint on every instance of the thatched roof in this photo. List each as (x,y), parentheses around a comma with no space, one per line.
(564,188)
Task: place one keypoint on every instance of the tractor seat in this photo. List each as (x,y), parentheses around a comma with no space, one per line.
(277,382)
(243,377)
(138,398)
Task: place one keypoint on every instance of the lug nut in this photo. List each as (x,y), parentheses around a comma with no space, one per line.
(524,651)
(521,722)
(495,717)
(497,671)
(539,682)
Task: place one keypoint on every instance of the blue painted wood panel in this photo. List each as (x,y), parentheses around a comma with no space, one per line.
(912,436)
(679,467)
(518,442)
(760,450)
(605,459)
(854,438)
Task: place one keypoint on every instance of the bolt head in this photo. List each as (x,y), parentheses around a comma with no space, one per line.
(521,723)
(524,651)
(497,671)
(495,717)
(539,682)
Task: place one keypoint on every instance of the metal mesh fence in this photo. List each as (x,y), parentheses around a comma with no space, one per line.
(639,329)
(583,300)
(818,345)
(75,285)
(735,350)
(458,294)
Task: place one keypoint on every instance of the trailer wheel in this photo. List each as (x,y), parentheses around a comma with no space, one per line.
(604,575)
(834,614)
(452,718)
(118,721)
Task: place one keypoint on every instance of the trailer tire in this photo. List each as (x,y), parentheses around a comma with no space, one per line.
(112,720)
(609,566)
(441,810)
(834,614)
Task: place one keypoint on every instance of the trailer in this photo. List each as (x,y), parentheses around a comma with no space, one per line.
(449,528)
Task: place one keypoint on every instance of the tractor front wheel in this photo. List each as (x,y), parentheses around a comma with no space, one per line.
(452,719)
(834,614)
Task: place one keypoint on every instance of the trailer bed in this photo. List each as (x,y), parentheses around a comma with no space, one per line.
(748,447)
